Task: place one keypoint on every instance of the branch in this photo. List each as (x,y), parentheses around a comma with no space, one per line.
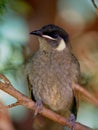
(95,5)
(6,86)
(5,121)
(93,1)
(88,96)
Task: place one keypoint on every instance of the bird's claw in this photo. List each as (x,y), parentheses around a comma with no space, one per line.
(72,120)
(38,106)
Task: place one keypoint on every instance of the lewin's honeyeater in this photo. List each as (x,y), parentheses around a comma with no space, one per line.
(51,72)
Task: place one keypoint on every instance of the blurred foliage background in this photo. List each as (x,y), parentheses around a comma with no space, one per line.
(18,17)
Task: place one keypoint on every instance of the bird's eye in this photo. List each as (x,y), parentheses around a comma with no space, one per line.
(51,34)
(54,35)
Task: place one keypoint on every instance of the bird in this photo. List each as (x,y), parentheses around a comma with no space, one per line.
(50,72)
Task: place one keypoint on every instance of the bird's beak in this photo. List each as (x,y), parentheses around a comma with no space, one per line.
(37,33)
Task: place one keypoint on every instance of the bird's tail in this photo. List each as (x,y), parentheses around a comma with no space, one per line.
(42,123)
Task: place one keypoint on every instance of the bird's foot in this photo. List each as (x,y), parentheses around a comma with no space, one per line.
(72,120)
(38,106)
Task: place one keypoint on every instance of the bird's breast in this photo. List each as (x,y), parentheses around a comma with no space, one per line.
(50,84)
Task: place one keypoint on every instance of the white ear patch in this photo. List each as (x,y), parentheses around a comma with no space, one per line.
(61,46)
(48,37)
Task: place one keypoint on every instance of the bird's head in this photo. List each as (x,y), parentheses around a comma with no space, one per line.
(53,37)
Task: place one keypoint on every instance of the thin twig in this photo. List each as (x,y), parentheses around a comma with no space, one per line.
(93,1)
(14,104)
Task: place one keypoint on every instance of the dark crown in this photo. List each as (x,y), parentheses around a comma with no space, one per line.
(55,31)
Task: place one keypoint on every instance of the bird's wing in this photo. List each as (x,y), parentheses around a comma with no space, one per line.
(30,89)
(74,107)
(76,80)
(27,68)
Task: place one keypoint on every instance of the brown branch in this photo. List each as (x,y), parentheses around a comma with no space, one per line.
(25,101)
(5,121)
(88,96)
